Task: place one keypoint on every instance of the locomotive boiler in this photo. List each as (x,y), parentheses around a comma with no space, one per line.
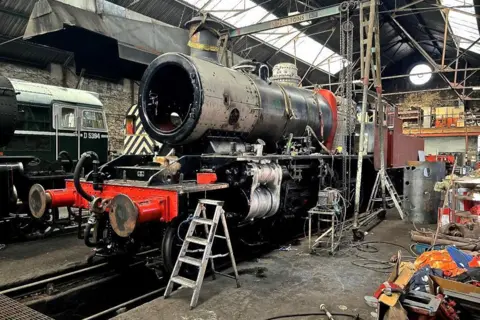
(259,143)
(184,99)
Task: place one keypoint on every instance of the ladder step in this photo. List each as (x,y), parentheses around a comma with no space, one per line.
(184,281)
(197,240)
(203,221)
(212,202)
(220,237)
(190,260)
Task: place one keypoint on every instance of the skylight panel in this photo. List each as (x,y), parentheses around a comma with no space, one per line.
(463,23)
(294,42)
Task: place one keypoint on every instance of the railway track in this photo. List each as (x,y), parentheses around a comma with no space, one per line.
(94,292)
(22,227)
(99,291)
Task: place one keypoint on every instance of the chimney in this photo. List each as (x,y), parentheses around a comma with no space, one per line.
(204,34)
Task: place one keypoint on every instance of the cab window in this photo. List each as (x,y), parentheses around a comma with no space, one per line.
(93,120)
(67,119)
(33,118)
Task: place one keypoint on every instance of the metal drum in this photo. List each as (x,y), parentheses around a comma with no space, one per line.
(420,200)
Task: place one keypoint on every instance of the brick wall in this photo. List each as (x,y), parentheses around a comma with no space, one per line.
(115,97)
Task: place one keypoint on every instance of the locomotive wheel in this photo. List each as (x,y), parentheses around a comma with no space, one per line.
(170,247)
(32,229)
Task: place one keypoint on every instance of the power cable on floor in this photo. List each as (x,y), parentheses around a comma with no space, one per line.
(383,266)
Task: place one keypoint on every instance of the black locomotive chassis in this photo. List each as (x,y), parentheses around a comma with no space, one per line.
(51,175)
(139,170)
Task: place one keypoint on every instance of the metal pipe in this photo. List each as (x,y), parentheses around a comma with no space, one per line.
(415,91)
(358,81)
(286,44)
(36,283)
(426,56)
(79,134)
(361,147)
(415,44)
(319,52)
(124,304)
(466,78)
(380,108)
(6,167)
(456,67)
(56,133)
(464,52)
(445,34)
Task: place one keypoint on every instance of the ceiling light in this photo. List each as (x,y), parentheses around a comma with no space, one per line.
(420,74)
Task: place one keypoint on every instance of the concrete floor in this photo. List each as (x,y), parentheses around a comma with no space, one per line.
(21,261)
(290,282)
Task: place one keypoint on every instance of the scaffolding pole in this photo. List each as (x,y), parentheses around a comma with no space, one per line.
(380,108)
(365,62)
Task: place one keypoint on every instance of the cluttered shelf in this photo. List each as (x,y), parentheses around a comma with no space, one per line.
(442,280)
(467,197)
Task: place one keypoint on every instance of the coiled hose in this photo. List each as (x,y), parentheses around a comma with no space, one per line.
(78,170)
(92,221)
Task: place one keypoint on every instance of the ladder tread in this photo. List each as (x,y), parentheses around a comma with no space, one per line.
(184,281)
(203,221)
(191,260)
(197,240)
(202,263)
(212,202)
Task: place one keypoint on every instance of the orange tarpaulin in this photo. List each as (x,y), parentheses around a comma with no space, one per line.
(439,259)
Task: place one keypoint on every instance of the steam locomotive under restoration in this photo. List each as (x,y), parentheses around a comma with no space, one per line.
(227,134)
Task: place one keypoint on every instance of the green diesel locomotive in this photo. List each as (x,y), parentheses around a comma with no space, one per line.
(44,130)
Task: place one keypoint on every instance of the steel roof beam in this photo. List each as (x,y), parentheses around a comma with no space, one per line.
(287,21)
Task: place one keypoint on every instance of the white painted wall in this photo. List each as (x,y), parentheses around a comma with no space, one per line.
(436,145)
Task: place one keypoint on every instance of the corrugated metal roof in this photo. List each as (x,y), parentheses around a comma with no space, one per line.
(427,27)
(14,16)
(31,53)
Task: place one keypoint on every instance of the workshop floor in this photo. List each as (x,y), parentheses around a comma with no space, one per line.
(286,282)
(21,261)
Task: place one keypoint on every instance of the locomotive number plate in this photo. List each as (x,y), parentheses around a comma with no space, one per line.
(91,135)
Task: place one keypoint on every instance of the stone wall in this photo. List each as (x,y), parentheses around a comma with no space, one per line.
(116,97)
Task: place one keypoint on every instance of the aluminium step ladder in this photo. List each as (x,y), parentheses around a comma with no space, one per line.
(394,196)
(210,229)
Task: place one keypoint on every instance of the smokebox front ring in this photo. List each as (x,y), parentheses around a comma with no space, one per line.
(155,74)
